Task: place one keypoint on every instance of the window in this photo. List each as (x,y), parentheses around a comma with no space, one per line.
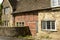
(48,25)
(20,24)
(58,2)
(55,3)
(6,23)
(6,10)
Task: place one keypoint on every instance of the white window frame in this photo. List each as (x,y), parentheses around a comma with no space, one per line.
(56,3)
(50,26)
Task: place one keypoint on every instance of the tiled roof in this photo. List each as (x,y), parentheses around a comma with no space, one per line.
(29,5)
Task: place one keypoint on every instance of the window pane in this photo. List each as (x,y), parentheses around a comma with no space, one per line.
(6,10)
(53,24)
(4,23)
(58,2)
(43,25)
(54,3)
(7,23)
(22,24)
(48,24)
(17,24)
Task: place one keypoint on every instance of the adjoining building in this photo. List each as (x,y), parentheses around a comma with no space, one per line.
(6,14)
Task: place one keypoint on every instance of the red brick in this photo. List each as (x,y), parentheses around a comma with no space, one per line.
(28,18)
(32,25)
(33,32)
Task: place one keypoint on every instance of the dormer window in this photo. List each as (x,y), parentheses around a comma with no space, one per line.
(6,10)
(58,2)
(55,3)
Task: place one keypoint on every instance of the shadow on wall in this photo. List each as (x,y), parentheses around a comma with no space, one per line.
(23,31)
(15,31)
(13,3)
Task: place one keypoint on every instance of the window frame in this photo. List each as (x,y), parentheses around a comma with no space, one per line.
(50,25)
(20,24)
(56,4)
(6,23)
(6,8)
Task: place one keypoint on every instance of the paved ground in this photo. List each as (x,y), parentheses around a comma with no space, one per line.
(10,38)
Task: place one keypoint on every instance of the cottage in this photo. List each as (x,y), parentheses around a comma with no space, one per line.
(6,14)
(41,16)
(26,13)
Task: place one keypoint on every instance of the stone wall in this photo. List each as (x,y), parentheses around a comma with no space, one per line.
(15,31)
(49,15)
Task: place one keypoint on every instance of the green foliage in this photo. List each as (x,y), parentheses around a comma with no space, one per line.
(0,13)
(24,36)
(47,36)
(0,7)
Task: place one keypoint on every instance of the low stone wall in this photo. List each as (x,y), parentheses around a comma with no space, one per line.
(14,31)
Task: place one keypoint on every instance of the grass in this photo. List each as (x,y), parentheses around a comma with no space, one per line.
(24,36)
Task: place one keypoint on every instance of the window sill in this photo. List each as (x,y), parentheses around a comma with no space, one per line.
(49,30)
(55,6)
